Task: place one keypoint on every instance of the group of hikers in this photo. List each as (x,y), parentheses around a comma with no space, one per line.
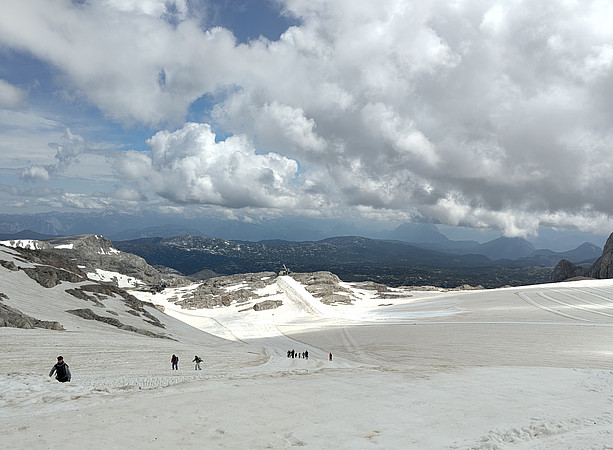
(304,354)
(62,371)
(295,354)
(174,361)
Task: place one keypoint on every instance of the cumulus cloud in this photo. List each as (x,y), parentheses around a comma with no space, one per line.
(189,166)
(34,173)
(488,114)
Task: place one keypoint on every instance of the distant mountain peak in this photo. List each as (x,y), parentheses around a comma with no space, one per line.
(419,233)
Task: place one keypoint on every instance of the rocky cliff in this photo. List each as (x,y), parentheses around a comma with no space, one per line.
(601,268)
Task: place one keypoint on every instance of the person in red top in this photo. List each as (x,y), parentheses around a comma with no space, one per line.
(175,362)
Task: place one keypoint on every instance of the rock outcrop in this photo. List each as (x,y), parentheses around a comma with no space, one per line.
(13,318)
(565,270)
(51,276)
(267,304)
(97,252)
(50,269)
(602,267)
(88,314)
(223,291)
(325,286)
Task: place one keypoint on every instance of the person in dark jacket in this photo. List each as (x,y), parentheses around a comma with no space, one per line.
(175,362)
(197,360)
(62,372)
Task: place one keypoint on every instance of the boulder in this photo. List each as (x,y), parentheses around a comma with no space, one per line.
(565,270)
(267,304)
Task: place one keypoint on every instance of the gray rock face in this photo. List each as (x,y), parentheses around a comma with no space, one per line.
(223,291)
(565,270)
(602,267)
(11,317)
(324,286)
(88,314)
(97,252)
(50,269)
(50,276)
(267,304)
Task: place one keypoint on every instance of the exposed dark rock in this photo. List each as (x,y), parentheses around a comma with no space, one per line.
(48,258)
(10,265)
(88,314)
(135,305)
(13,318)
(48,276)
(97,252)
(603,266)
(267,304)
(565,270)
(82,295)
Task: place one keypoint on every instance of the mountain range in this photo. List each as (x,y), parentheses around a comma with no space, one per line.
(355,258)
(123,226)
(411,254)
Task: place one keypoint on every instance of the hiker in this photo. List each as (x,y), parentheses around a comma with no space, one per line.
(62,372)
(175,362)
(197,360)
(330,356)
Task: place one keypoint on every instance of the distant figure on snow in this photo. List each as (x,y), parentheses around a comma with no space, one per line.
(175,362)
(62,372)
(330,356)
(197,360)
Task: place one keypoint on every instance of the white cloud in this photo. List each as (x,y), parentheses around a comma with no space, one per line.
(485,113)
(34,173)
(188,166)
(11,96)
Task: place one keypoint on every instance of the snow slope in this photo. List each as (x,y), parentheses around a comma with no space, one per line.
(527,367)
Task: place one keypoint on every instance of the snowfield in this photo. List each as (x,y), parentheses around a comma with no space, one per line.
(523,368)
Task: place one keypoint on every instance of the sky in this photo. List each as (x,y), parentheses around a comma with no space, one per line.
(481,114)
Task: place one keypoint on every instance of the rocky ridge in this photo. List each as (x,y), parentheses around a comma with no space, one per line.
(247,289)
(601,268)
(93,253)
(49,269)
